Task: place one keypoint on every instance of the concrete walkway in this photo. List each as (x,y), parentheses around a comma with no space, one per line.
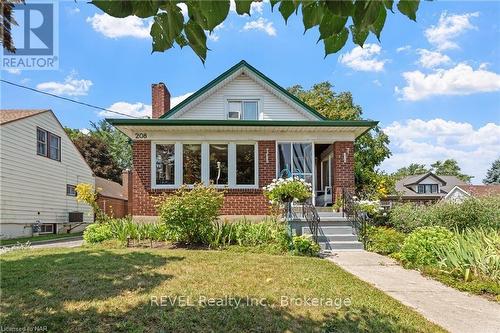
(453,310)
(67,244)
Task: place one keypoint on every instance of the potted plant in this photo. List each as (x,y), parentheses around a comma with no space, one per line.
(285,191)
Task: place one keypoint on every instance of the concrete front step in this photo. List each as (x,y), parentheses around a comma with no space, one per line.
(330,230)
(337,238)
(329,246)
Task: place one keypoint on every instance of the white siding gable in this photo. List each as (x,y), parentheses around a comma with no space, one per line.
(31,183)
(272,106)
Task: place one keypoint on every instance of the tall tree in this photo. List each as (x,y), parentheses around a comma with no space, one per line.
(449,167)
(118,143)
(410,170)
(370,149)
(96,153)
(493,173)
(335,19)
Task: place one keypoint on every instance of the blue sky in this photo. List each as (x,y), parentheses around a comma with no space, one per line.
(434,85)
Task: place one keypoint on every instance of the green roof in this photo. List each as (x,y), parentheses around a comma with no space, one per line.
(228,73)
(257,123)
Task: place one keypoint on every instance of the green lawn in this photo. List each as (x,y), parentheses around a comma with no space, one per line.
(111,290)
(37,238)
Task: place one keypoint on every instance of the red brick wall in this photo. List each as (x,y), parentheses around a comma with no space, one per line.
(112,206)
(343,171)
(160,100)
(236,201)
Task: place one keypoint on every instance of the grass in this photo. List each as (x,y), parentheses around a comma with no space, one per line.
(110,290)
(37,238)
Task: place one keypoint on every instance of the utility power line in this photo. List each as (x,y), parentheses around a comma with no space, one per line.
(66,99)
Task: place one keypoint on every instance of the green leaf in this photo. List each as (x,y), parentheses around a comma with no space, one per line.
(366,13)
(336,42)
(377,26)
(359,35)
(389,4)
(273,2)
(286,9)
(243,6)
(312,15)
(409,8)
(331,25)
(195,14)
(197,39)
(115,8)
(167,26)
(215,12)
(181,40)
(341,8)
(146,8)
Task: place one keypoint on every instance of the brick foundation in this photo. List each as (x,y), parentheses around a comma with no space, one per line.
(236,201)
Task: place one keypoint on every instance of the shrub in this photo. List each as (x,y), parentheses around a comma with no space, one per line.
(246,234)
(286,189)
(420,247)
(472,253)
(472,212)
(305,246)
(189,214)
(383,240)
(96,233)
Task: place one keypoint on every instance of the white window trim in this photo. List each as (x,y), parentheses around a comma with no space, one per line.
(205,164)
(252,98)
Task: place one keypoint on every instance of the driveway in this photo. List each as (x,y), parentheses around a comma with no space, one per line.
(451,309)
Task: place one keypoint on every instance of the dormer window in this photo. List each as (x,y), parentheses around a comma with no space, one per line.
(243,110)
(427,188)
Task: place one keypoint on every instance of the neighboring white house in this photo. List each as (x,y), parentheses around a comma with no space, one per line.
(39,169)
(462,192)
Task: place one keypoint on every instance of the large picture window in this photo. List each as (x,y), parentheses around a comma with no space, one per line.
(245,164)
(191,157)
(165,164)
(218,164)
(295,159)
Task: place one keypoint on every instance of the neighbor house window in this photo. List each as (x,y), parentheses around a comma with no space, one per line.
(218,164)
(245,164)
(70,190)
(241,109)
(41,142)
(54,147)
(427,188)
(48,144)
(47,228)
(191,157)
(165,164)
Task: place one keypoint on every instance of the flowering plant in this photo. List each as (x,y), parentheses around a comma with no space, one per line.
(288,189)
(370,207)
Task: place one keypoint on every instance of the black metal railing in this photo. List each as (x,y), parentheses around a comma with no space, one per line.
(311,215)
(357,218)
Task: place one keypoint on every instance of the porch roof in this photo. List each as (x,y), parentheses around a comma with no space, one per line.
(357,127)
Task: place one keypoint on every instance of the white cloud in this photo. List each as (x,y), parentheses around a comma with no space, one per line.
(71,86)
(138,109)
(214,36)
(255,7)
(377,83)
(419,141)
(112,27)
(403,48)
(449,27)
(432,59)
(364,58)
(261,24)
(459,80)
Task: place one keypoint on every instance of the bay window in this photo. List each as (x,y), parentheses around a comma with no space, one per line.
(218,164)
(232,164)
(165,164)
(191,161)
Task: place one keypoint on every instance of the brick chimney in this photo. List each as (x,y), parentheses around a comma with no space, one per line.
(161,100)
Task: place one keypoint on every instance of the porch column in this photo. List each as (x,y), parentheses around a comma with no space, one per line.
(343,167)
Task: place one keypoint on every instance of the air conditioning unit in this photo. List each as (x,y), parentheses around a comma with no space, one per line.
(233,115)
(75,217)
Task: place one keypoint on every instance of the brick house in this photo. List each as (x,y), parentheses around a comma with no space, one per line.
(239,132)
